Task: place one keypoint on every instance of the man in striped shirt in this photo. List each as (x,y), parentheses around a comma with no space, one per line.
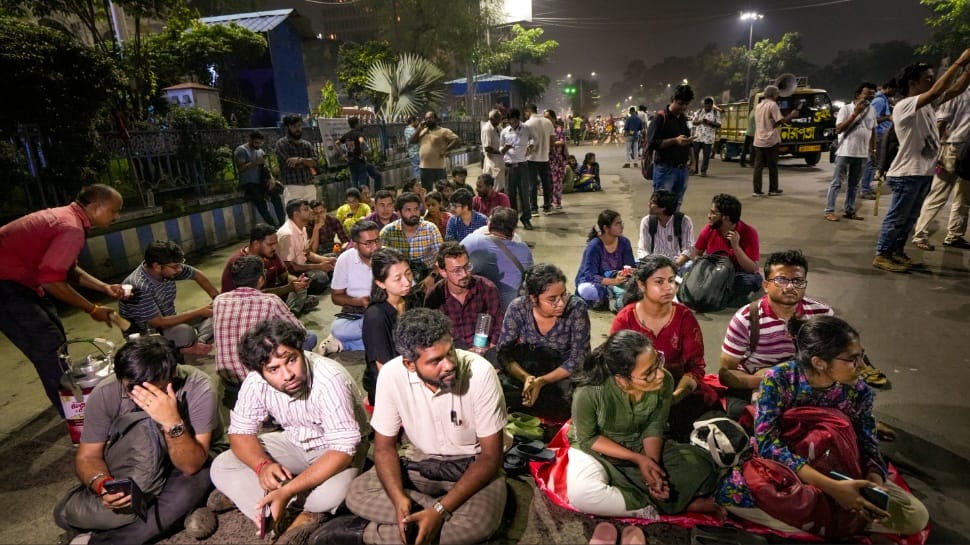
(742,365)
(666,239)
(322,446)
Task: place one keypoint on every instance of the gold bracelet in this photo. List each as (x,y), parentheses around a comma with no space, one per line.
(94,309)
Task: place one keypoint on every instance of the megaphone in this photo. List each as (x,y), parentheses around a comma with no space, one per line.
(786,84)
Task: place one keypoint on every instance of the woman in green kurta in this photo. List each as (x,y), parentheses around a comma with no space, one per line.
(619,464)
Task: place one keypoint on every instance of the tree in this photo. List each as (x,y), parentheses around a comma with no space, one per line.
(353,64)
(411,85)
(521,48)
(66,90)
(950,24)
(329,105)
(875,64)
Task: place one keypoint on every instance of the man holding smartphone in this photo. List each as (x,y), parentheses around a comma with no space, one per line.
(162,419)
(669,136)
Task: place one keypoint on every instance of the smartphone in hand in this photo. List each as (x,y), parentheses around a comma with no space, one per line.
(264,520)
(139,503)
(873,495)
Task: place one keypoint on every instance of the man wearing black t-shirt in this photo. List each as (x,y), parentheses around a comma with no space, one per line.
(353,148)
(670,137)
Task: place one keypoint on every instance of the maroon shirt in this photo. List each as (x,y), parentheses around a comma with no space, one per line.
(42,247)
(482,298)
(331,228)
(274,269)
(485,206)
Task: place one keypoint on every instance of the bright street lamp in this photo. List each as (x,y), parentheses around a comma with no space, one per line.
(752,17)
(593,74)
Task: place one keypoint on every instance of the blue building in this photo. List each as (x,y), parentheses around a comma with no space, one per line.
(276,85)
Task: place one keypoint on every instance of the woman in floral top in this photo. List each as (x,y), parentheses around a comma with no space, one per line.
(557,159)
(545,336)
(619,464)
(825,373)
(649,308)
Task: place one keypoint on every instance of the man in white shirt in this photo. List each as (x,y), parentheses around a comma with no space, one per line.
(322,446)
(543,135)
(660,233)
(856,125)
(516,141)
(706,122)
(911,171)
(491,146)
(451,488)
(351,286)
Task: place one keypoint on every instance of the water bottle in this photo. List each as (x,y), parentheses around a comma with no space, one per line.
(482,327)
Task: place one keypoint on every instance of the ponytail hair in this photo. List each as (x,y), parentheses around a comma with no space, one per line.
(603,222)
(616,356)
(648,266)
(824,337)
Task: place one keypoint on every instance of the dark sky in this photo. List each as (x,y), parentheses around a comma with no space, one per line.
(605,35)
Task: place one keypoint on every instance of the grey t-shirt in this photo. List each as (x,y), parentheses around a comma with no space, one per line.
(197,406)
(490,261)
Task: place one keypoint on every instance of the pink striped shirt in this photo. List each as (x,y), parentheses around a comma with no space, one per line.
(233,313)
(330,416)
(774,344)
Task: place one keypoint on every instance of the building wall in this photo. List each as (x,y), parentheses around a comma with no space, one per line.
(289,77)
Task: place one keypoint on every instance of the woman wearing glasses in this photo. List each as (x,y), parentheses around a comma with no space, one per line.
(825,373)
(649,308)
(619,464)
(545,336)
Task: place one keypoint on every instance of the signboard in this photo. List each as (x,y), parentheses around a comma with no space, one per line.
(331,129)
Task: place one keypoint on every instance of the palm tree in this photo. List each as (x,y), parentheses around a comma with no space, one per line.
(412,84)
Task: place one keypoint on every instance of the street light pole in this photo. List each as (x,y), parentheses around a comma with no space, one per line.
(752,17)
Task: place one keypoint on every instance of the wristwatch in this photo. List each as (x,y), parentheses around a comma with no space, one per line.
(445,515)
(176,430)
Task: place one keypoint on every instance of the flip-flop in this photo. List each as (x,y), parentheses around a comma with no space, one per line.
(874,377)
(525,426)
(884,432)
(514,462)
(633,535)
(534,450)
(603,534)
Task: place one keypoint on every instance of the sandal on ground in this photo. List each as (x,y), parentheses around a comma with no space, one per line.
(884,432)
(830,216)
(874,376)
(533,450)
(604,534)
(923,245)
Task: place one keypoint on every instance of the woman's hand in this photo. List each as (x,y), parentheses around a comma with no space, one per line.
(847,495)
(652,473)
(531,389)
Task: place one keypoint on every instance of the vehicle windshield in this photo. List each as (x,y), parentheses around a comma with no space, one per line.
(814,101)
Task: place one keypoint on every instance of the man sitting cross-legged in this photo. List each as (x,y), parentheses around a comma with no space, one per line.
(151,399)
(322,446)
(451,404)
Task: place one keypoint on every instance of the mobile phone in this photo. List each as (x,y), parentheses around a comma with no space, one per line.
(873,495)
(139,503)
(264,519)
(114,486)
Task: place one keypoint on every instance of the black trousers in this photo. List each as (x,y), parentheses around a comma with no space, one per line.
(32,325)
(256,194)
(540,171)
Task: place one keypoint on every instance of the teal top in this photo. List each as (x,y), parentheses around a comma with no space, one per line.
(751,127)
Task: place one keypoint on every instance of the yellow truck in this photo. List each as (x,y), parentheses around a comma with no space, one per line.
(806,136)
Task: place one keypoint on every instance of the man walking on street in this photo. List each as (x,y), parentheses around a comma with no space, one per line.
(767,137)
(706,122)
(856,128)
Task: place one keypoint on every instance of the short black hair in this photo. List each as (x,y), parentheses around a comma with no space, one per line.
(360,227)
(459,170)
(293,205)
(150,358)
(540,276)
(258,345)
(260,231)
(246,271)
(728,205)
(383,194)
(864,85)
(503,220)
(352,192)
(708,100)
(684,93)
(418,329)
(405,198)
(514,113)
(353,121)
(665,199)
(256,135)
(292,119)
(531,108)
(487,179)
(791,258)
(450,249)
(163,252)
(462,196)
(909,74)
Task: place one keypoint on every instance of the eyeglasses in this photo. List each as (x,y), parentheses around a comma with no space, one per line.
(556,301)
(858,360)
(467,269)
(652,371)
(369,243)
(782,282)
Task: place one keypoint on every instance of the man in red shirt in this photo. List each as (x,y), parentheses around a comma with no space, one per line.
(40,253)
(292,289)
(725,233)
(488,197)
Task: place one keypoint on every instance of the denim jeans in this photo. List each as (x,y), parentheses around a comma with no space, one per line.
(908,195)
(700,148)
(872,166)
(632,147)
(671,178)
(849,168)
(415,166)
(358,174)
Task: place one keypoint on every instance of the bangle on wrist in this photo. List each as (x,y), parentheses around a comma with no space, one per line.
(96,477)
(99,488)
(261,465)
(94,308)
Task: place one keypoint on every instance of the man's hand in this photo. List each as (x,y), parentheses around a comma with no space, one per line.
(300,283)
(115,290)
(531,389)
(277,500)
(733,238)
(102,314)
(204,311)
(682,140)
(115,501)
(294,162)
(327,264)
(429,525)
(161,406)
(272,475)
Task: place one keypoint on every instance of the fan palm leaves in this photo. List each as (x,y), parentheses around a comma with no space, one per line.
(411,84)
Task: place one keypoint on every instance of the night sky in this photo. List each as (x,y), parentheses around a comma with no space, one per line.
(605,35)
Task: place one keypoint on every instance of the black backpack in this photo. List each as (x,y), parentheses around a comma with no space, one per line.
(708,285)
(652,222)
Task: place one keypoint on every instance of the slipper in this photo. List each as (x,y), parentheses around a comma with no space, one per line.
(514,462)
(603,534)
(884,432)
(874,377)
(924,245)
(534,450)
(633,535)
(524,426)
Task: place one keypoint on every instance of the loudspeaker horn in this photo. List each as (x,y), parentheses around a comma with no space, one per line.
(786,84)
